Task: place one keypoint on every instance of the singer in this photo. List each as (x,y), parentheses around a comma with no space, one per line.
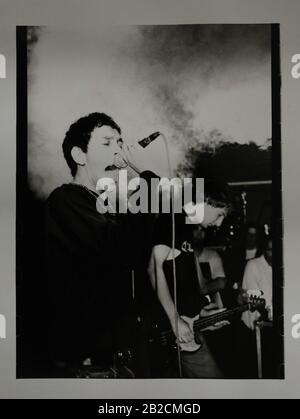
(91,257)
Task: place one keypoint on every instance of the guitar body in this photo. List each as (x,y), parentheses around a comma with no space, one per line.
(163,341)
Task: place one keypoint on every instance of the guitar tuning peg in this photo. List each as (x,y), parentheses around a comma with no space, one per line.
(255,293)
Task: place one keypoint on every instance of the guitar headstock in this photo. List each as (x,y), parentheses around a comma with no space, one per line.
(256,303)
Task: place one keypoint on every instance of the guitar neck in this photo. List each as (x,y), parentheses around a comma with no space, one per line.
(223,315)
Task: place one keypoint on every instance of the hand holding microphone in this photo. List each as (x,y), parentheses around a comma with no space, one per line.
(134,155)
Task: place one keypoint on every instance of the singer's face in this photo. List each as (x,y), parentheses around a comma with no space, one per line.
(102,147)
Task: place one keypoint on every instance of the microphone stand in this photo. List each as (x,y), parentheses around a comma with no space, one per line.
(132,166)
(173,255)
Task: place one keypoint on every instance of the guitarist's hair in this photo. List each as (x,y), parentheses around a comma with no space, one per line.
(216,193)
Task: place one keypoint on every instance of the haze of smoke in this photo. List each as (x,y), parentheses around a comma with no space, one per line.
(146,78)
(189,59)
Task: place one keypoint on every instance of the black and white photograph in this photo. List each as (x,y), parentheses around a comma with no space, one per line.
(148,223)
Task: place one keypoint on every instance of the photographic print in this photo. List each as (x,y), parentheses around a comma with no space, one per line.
(149,237)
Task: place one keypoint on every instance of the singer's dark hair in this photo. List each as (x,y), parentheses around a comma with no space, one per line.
(79,135)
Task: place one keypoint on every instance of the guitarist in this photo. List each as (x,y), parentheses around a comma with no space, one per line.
(198,364)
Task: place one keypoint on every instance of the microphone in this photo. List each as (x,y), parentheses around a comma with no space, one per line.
(130,155)
(148,140)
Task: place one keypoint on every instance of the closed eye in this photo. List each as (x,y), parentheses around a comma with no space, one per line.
(106,140)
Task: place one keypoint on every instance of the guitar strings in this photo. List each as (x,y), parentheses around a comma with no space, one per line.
(206,322)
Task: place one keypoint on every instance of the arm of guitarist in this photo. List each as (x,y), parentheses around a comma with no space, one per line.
(160,285)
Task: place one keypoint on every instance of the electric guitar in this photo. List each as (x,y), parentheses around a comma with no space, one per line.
(167,339)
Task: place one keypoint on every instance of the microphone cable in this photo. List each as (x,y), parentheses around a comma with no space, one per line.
(173,256)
